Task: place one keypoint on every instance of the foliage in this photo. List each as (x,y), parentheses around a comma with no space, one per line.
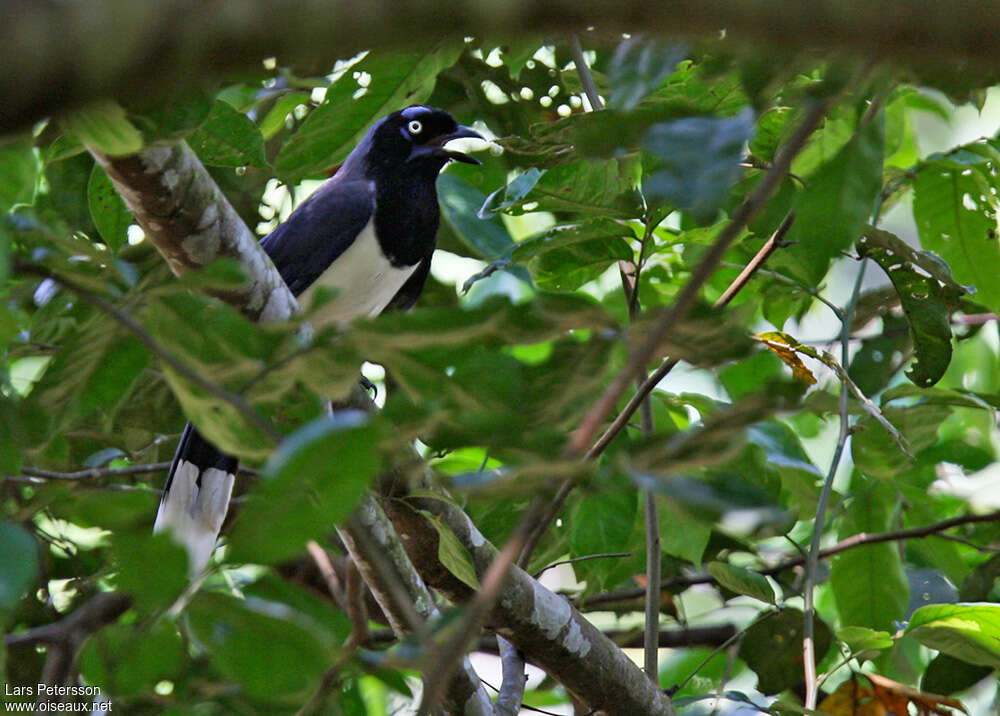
(502,359)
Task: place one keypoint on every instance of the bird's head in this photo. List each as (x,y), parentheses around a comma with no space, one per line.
(414,139)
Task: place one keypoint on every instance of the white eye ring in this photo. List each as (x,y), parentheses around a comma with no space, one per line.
(414,127)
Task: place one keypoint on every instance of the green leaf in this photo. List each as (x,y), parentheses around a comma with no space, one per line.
(18,173)
(234,630)
(874,451)
(326,614)
(111,217)
(274,120)
(454,555)
(863,642)
(152,588)
(966,631)
(313,481)
(19,567)
(772,648)
(682,535)
(563,258)
(104,126)
(603,521)
(640,64)
(785,454)
(333,129)
(487,237)
(844,187)
(947,675)
(608,188)
(228,138)
(128,659)
(742,581)
(868,582)
(926,290)
(955,210)
(699,161)
(171,116)
(771,127)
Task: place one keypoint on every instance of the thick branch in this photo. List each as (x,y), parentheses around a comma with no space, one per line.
(541,624)
(191,223)
(405,599)
(103,609)
(55,54)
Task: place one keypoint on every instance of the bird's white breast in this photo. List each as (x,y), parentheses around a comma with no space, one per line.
(362,278)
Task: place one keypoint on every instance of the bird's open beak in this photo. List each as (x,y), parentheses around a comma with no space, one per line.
(436,145)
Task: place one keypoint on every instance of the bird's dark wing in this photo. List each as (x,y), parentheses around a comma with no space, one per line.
(319,231)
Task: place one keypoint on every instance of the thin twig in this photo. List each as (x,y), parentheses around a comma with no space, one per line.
(104,608)
(105,486)
(859,540)
(584,558)
(809,586)
(586,78)
(96,473)
(647,386)
(669,317)
(329,574)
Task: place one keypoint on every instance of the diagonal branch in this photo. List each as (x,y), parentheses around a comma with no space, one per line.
(858,540)
(669,317)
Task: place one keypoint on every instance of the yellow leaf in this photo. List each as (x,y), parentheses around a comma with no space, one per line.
(783,346)
(852,698)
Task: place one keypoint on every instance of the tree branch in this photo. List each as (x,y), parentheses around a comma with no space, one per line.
(55,54)
(543,625)
(858,540)
(656,333)
(96,473)
(103,609)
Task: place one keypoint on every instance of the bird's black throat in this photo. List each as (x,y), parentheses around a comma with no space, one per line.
(407,215)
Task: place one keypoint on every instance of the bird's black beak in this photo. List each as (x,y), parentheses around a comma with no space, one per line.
(436,146)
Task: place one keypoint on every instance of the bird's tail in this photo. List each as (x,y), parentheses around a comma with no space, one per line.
(196,497)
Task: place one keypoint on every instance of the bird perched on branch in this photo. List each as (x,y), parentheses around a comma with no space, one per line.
(368,233)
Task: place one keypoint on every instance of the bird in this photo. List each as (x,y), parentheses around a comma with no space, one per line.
(368,233)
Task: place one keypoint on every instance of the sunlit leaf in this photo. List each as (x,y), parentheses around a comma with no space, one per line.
(104,127)
(967,631)
(742,581)
(228,139)
(955,210)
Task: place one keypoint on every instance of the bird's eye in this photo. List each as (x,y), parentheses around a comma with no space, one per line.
(414,126)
